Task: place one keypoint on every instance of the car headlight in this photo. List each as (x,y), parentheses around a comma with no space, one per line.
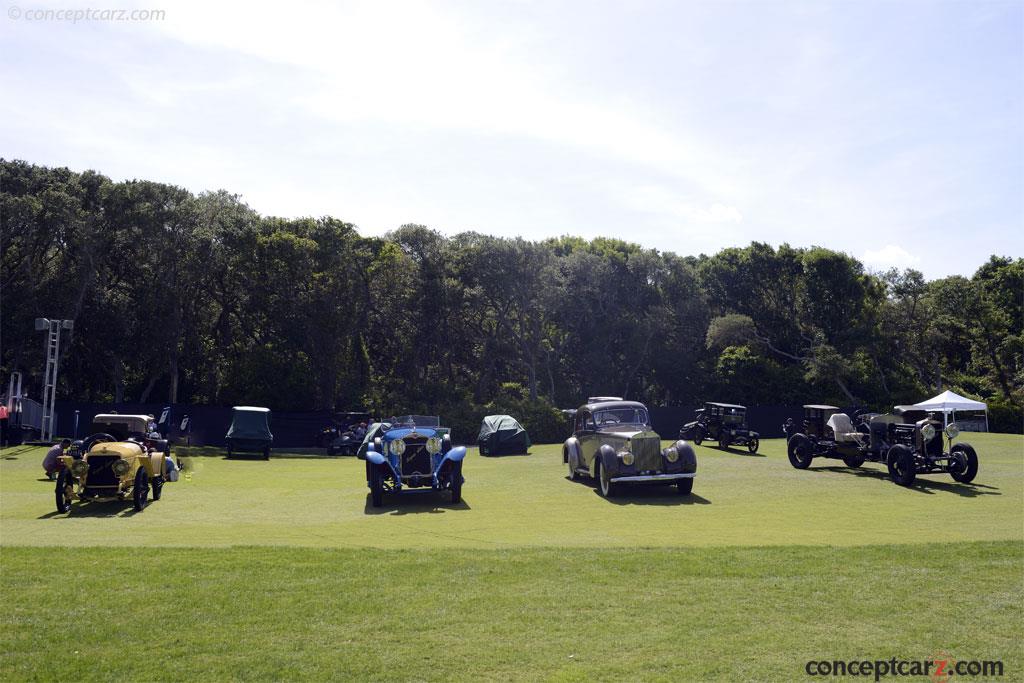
(672,454)
(626,457)
(79,468)
(952,430)
(434,445)
(120,467)
(397,447)
(928,432)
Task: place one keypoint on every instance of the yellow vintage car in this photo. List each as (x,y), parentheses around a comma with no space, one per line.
(120,460)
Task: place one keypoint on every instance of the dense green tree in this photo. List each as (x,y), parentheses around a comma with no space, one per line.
(187,298)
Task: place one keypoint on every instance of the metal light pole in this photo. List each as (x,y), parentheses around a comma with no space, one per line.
(53,329)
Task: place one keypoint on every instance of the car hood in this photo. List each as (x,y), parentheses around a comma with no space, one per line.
(626,434)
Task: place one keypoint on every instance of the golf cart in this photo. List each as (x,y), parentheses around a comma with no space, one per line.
(249,431)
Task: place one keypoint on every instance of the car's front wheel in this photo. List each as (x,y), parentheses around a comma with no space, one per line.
(753,444)
(65,485)
(698,436)
(724,442)
(456,482)
(800,451)
(266,453)
(685,486)
(158,487)
(376,486)
(607,487)
(901,465)
(963,465)
(140,491)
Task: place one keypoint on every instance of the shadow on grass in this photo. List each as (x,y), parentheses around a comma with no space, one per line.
(108,509)
(644,494)
(222,453)
(742,451)
(665,495)
(922,484)
(502,455)
(12,452)
(414,502)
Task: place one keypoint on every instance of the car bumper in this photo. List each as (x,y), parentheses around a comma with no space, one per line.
(655,477)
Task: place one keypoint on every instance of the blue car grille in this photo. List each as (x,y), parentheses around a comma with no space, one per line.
(647,452)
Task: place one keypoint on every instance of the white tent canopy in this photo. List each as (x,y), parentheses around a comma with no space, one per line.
(948,402)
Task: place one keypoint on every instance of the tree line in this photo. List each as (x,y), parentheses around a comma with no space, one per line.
(191,298)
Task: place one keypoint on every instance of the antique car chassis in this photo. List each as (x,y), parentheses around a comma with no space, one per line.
(414,455)
(616,453)
(106,467)
(710,424)
(908,446)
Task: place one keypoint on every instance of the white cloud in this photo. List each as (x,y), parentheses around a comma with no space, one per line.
(890,256)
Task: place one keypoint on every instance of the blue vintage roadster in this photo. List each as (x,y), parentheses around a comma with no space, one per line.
(412,451)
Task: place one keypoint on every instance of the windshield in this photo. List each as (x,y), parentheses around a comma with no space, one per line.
(610,417)
(416,421)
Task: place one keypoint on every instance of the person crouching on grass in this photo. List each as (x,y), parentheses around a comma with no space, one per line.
(51,462)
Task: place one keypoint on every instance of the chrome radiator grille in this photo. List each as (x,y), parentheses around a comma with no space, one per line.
(647,452)
(415,460)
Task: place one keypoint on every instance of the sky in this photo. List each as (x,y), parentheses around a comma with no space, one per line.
(891,131)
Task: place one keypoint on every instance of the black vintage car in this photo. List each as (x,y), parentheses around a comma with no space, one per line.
(613,442)
(726,423)
(908,442)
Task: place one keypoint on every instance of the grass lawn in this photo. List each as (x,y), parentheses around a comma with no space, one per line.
(282,570)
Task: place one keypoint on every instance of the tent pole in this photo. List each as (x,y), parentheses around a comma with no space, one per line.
(986,419)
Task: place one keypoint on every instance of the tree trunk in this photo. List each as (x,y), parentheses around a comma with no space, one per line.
(144,397)
(118,381)
(172,394)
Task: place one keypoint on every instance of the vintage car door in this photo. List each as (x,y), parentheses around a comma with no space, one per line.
(586,434)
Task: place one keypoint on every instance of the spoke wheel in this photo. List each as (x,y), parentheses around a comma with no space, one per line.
(64,491)
(753,444)
(140,490)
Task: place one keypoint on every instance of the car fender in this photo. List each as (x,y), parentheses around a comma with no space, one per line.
(609,460)
(687,456)
(455,455)
(572,445)
(154,464)
(374,457)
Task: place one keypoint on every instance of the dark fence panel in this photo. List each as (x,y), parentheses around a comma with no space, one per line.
(207,424)
(765,420)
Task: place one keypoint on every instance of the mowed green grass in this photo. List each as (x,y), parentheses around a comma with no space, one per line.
(280,570)
(520,501)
